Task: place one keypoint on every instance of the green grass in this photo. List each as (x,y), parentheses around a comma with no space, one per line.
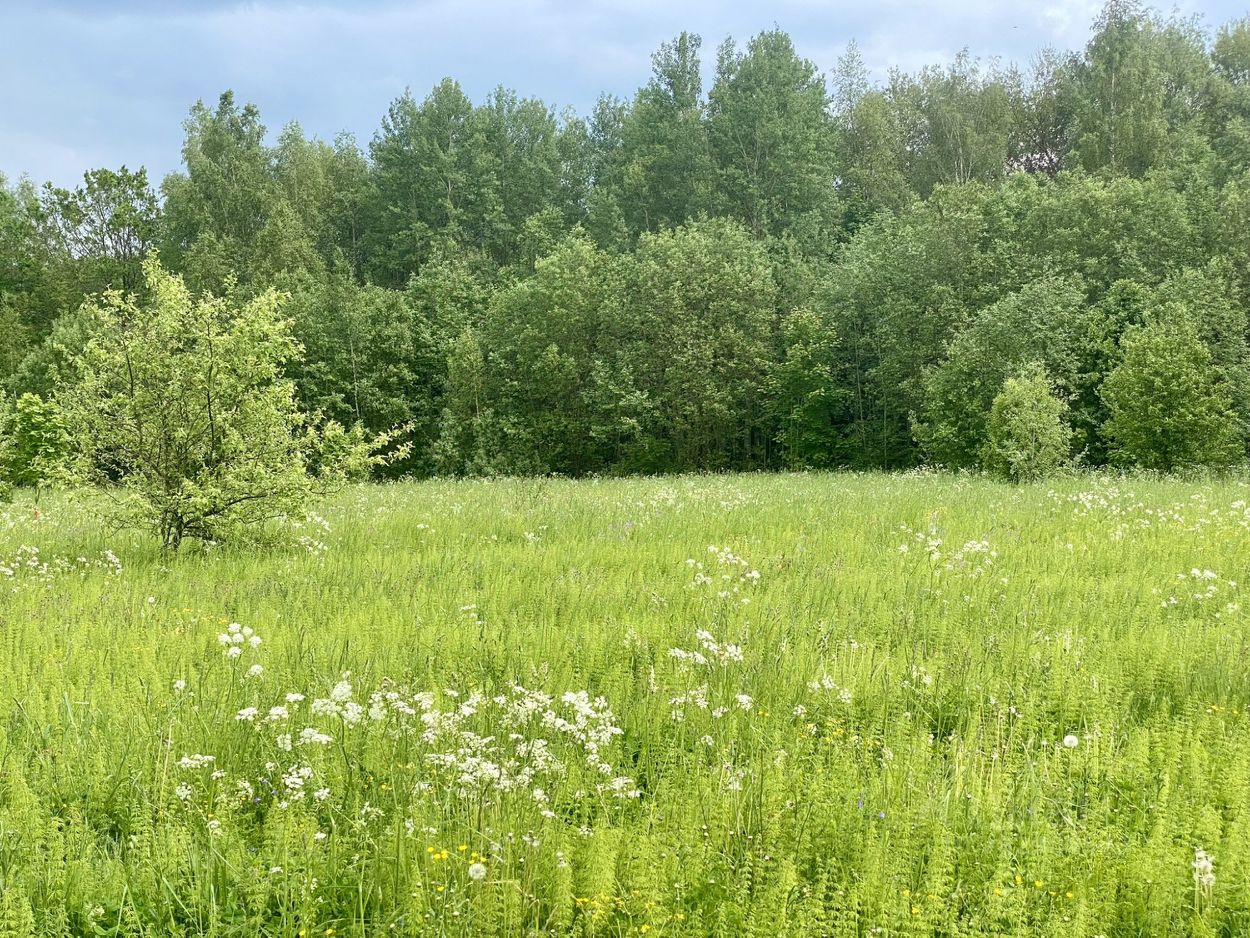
(925,790)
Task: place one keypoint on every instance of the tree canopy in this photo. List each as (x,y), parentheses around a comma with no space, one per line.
(792,266)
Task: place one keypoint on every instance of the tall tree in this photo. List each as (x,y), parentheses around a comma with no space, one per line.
(771,139)
(104,228)
(217,208)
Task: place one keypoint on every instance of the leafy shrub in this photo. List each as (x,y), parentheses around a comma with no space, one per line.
(182,411)
(1170,407)
(1027,436)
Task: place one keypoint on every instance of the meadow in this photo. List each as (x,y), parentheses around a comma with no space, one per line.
(730,705)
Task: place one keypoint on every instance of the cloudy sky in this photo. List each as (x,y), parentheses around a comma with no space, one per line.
(92,83)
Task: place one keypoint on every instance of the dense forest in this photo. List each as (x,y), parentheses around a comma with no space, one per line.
(795,267)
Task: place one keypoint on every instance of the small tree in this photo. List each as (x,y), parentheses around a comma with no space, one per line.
(1169,407)
(181,412)
(1027,436)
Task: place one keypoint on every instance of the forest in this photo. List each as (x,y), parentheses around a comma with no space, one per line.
(794,267)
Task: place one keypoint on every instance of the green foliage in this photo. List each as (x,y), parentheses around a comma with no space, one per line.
(937,230)
(36,442)
(1170,407)
(770,138)
(1046,322)
(367,359)
(1026,436)
(809,401)
(699,334)
(181,410)
(103,228)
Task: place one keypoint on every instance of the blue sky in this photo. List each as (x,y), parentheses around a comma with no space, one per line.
(92,83)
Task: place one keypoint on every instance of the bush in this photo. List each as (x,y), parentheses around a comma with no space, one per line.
(1027,436)
(1169,406)
(182,412)
(36,442)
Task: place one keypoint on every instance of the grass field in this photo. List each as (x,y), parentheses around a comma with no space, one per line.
(742,705)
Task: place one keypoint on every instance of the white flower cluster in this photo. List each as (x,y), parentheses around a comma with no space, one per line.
(711,653)
(236,637)
(825,684)
(973,559)
(728,582)
(544,739)
(716,657)
(1204,869)
(518,740)
(927,541)
(1202,586)
(27,564)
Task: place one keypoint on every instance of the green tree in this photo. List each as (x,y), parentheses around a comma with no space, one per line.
(552,340)
(1046,323)
(1169,407)
(810,404)
(1026,435)
(216,210)
(699,335)
(1134,90)
(367,359)
(660,174)
(771,139)
(958,123)
(870,145)
(464,425)
(181,413)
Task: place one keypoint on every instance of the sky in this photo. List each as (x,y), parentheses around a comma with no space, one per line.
(92,83)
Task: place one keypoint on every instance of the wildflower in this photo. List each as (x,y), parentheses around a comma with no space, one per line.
(477,871)
(256,670)
(310,735)
(1204,869)
(180,685)
(247,714)
(1071,742)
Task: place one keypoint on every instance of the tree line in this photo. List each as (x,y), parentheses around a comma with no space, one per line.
(975,265)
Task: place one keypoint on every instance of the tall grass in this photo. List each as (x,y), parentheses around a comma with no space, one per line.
(796,705)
